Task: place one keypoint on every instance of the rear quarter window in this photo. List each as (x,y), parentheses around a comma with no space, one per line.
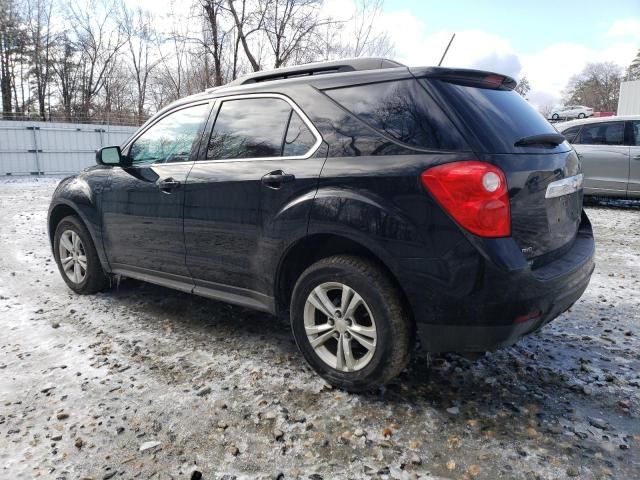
(402,110)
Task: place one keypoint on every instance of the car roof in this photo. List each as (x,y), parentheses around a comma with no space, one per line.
(586,121)
(331,74)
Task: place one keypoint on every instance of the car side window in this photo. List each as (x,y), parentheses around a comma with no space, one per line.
(258,128)
(603,133)
(299,139)
(171,139)
(635,133)
(403,110)
(571,133)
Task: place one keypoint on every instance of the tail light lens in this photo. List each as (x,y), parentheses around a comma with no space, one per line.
(474,194)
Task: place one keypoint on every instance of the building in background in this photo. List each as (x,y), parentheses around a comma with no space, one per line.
(629,101)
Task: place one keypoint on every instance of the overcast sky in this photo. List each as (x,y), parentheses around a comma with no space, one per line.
(546,40)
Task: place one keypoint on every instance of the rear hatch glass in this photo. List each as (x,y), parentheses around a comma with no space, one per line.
(497,120)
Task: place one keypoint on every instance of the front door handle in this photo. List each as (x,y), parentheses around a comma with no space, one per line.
(168,184)
(276,178)
(637,157)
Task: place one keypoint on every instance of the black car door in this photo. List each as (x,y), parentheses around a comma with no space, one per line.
(262,153)
(143,206)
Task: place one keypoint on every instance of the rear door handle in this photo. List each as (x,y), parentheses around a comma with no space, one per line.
(168,184)
(637,157)
(276,178)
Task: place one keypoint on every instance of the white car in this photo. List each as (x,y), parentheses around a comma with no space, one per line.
(570,111)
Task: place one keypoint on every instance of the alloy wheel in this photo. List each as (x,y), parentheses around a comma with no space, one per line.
(73,257)
(340,327)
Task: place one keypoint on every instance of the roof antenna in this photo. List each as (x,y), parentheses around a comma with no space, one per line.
(447,49)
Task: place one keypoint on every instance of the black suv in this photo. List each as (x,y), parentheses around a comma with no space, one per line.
(372,203)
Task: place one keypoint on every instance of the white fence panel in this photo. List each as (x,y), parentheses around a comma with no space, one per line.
(54,148)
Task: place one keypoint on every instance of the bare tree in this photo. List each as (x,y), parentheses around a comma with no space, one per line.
(10,48)
(98,43)
(214,10)
(107,58)
(65,67)
(546,109)
(362,34)
(292,26)
(523,87)
(137,27)
(597,86)
(633,70)
(38,26)
(242,32)
(367,39)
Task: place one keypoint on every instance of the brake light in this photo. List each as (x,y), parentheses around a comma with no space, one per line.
(493,80)
(474,194)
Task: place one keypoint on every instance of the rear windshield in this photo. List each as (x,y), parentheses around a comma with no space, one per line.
(402,110)
(497,118)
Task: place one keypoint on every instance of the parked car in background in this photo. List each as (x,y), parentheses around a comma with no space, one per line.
(369,203)
(609,149)
(570,111)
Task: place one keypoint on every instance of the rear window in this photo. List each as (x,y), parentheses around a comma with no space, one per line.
(496,118)
(402,110)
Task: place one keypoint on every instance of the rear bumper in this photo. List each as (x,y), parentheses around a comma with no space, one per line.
(504,304)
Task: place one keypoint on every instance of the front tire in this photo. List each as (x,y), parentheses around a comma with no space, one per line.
(555,116)
(350,323)
(77,257)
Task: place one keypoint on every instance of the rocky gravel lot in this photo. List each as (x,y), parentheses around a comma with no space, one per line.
(144,382)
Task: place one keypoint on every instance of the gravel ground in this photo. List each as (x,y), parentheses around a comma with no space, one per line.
(145,382)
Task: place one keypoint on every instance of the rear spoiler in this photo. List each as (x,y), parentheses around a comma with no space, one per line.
(466,77)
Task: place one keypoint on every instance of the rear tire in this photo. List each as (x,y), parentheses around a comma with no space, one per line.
(555,116)
(366,340)
(581,115)
(77,257)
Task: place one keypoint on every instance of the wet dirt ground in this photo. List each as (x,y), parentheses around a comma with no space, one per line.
(144,382)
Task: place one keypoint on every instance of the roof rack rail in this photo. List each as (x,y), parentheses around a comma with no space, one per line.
(317,68)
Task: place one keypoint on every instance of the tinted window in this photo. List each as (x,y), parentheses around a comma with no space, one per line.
(402,110)
(571,133)
(602,133)
(249,128)
(170,139)
(635,133)
(497,118)
(299,139)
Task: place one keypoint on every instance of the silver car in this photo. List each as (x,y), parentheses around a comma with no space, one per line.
(609,148)
(570,111)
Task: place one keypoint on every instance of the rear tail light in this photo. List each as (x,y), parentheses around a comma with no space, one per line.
(474,194)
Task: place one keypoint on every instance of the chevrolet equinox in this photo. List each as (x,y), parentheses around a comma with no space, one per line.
(370,203)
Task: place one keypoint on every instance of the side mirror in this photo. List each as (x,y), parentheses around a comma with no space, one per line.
(109,156)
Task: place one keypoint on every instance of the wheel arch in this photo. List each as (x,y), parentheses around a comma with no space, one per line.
(312,248)
(64,208)
(57,213)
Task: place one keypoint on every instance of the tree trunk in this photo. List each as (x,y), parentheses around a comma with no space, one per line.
(254,64)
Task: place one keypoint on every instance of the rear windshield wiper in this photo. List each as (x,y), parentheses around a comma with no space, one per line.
(548,139)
